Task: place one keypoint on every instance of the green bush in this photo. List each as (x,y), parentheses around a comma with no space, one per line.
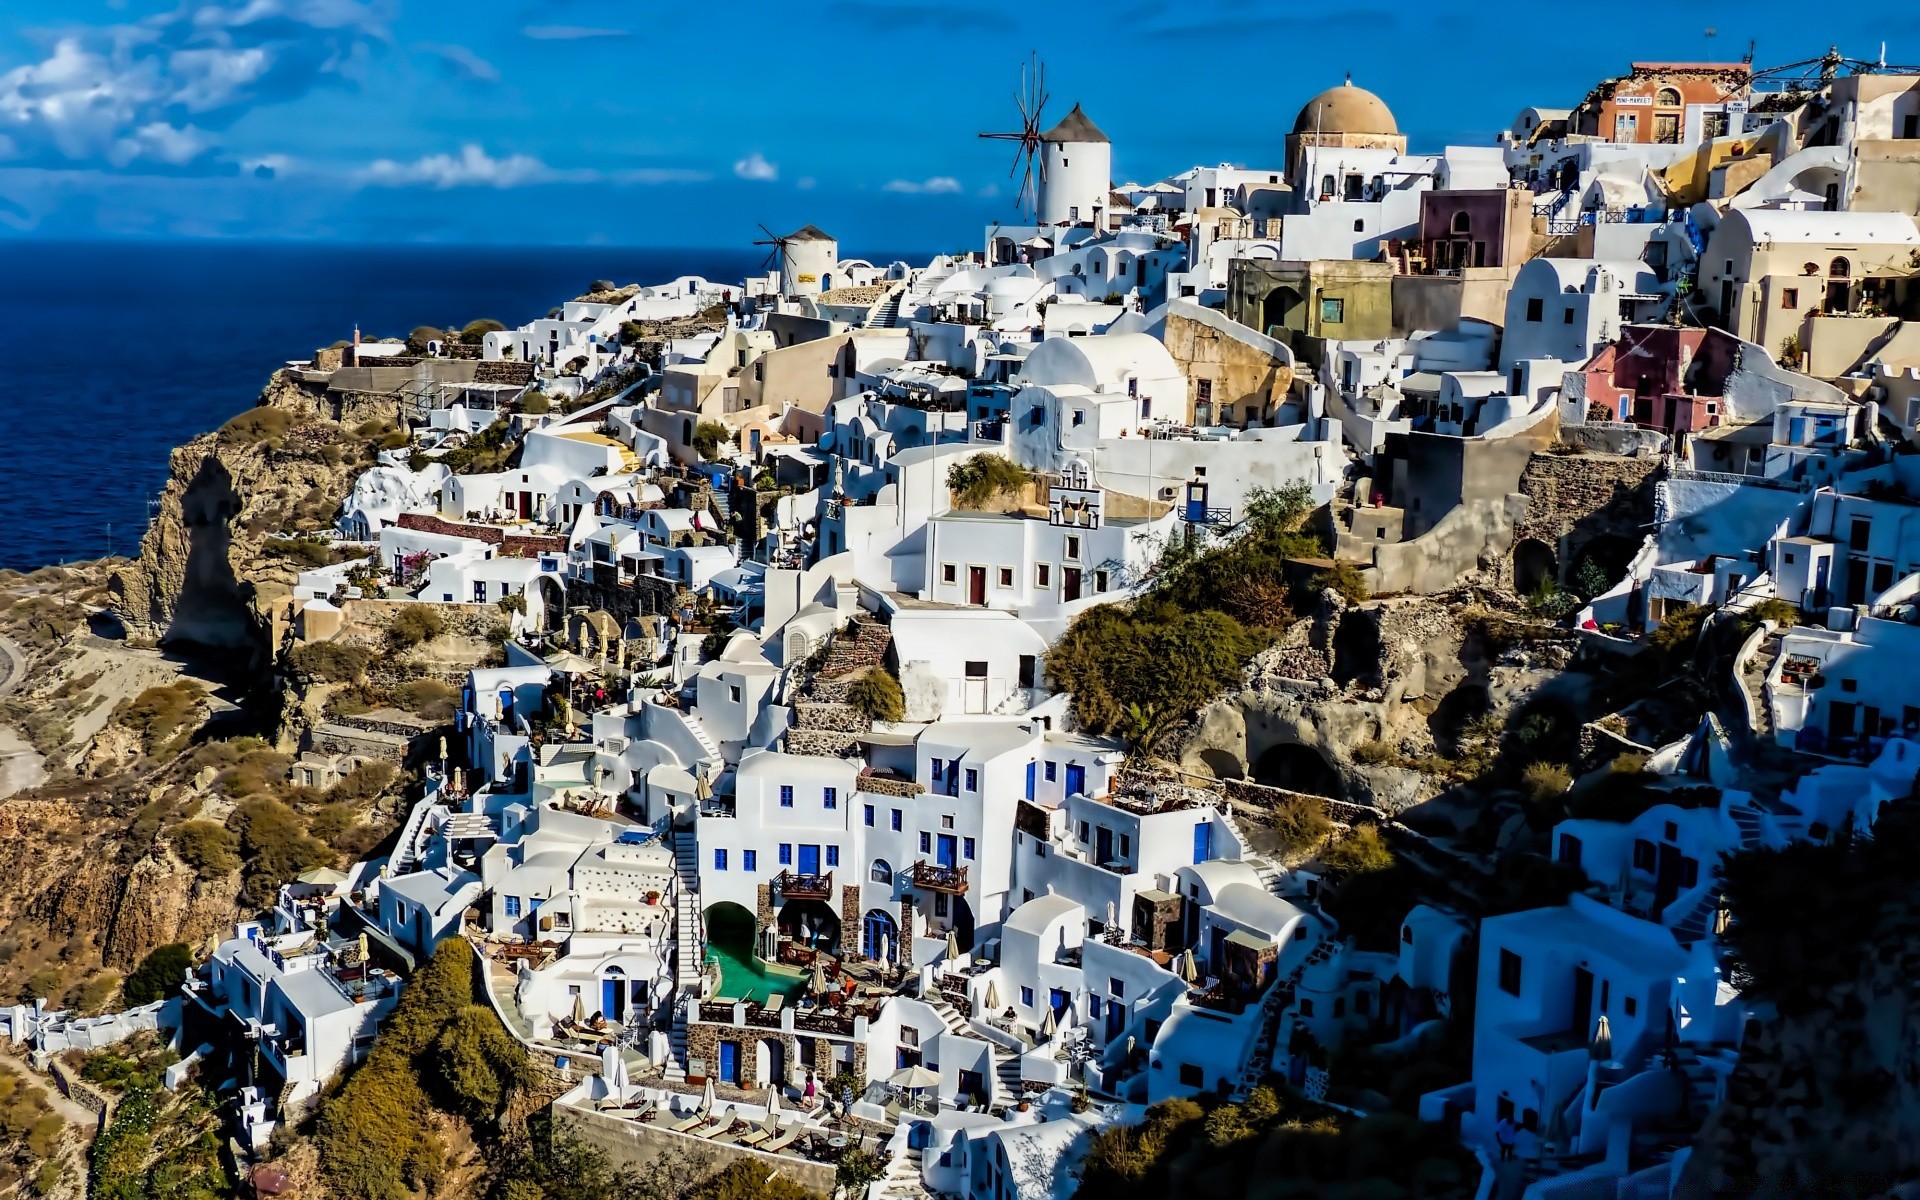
(877,696)
(275,846)
(415,625)
(418,339)
(1374,752)
(745,1180)
(983,477)
(429,698)
(1781,613)
(475,332)
(1114,661)
(206,846)
(304,552)
(1362,852)
(536,405)
(1301,822)
(1545,783)
(329,662)
(158,975)
(256,425)
(1344,579)
(165,716)
(362,783)
(708,437)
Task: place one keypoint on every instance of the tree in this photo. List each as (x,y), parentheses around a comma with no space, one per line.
(475,332)
(985,476)
(1346,580)
(1152,657)
(855,1171)
(750,1180)
(415,625)
(159,974)
(708,437)
(418,339)
(206,846)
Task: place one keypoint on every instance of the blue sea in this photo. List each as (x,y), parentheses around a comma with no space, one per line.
(113,353)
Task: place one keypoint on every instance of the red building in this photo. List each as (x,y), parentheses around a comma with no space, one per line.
(1661,377)
(1651,102)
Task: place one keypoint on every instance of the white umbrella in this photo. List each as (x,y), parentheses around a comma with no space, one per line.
(1048,1026)
(881,945)
(707,1097)
(579,1009)
(321,877)
(773,1101)
(914,1078)
(1126,1049)
(620,1081)
(992,997)
(1112,917)
(1602,1048)
(1188,971)
(569,663)
(818,984)
(953,946)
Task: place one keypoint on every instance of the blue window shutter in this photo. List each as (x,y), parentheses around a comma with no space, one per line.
(786,854)
(719,860)
(833,856)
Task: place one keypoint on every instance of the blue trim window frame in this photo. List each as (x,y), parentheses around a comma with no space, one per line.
(896,820)
(1026,997)
(719,860)
(786,795)
(926,842)
(833,856)
(966,848)
(973,779)
(512,906)
(1093,1007)
(939,771)
(749,860)
(830,797)
(867,816)
(1117,987)
(786,854)
(1053,771)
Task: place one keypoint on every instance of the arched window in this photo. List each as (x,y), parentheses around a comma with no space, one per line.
(1462,223)
(1667,97)
(880,872)
(1839,268)
(1326,187)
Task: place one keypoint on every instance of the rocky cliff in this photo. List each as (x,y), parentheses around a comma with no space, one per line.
(203,575)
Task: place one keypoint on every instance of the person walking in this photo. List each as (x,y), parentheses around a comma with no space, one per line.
(1505,1134)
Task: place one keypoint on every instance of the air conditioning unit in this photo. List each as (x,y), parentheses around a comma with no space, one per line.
(1168,493)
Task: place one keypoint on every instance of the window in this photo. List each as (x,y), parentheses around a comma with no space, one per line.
(1126,846)
(1099,581)
(866,816)
(946,822)
(1026,997)
(512,906)
(1079,417)
(1849,685)
(1093,1007)
(1566,316)
(926,842)
(1191,1076)
(880,871)
(1570,849)
(1117,988)
(1085,834)
(749,860)
(1789,297)
(1510,972)
(1306,1008)
(733,693)
(786,795)
(1667,97)
(948,573)
(1043,575)
(939,768)
(1332,310)
(1643,854)
(833,856)
(1052,767)
(966,847)
(1406,934)
(1859,533)
(1630,1006)
(1536,308)
(973,780)
(895,821)
(719,860)
(941,905)
(830,797)
(1073,547)
(786,854)
(1006,577)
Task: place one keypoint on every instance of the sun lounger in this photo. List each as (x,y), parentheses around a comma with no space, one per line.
(763,1133)
(776,1001)
(786,1139)
(717,1125)
(686,1124)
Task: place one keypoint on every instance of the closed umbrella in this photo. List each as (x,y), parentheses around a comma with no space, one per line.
(707,1096)
(1188,971)
(1112,917)
(881,947)
(619,1080)
(992,997)
(366,951)
(579,1009)
(1602,1049)
(702,790)
(1048,1026)
(953,945)
(818,984)
(1126,1050)
(773,1101)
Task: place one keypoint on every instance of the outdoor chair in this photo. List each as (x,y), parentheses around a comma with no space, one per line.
(786,1139)
(686,1124)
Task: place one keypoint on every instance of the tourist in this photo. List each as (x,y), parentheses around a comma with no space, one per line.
(1506,1134)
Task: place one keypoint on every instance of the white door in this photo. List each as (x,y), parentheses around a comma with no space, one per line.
(974,694)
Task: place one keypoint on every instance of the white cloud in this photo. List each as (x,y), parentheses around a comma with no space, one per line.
(939,185)
(472,167)
(571,33)
(805,183)
(756,167)
(145,95)
(466,64)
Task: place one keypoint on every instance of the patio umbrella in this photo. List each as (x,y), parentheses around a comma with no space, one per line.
(1126,1050)
(366,951)
(707,1097)
(773,1101)
(1602,1048)
(618,1080)
(1188,971)
(881,948)
(579,1009)
(321,877)
(818,984)
(569,663)
(1048,1026)
(992,997)
(1112,917)
(953,946)
(914,1078)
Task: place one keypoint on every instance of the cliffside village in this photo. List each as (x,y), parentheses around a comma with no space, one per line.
(1650,355)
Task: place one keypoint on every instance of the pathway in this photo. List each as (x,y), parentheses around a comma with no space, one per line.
(21,766)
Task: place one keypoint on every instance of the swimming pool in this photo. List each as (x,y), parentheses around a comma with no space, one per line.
(745,977)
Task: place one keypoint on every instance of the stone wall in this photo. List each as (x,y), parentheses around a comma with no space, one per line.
(1573,499)
(1240,373)
(633,1144)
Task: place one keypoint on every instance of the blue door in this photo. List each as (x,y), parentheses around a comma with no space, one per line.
(945,849)
(809,860)
(610,1007)
(1116,1019)
(1076,779)
(878,925)
(730,1063)
(1030,767)
(1203,841)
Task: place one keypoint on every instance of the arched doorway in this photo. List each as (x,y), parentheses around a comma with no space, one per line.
(1283,308)
(614,994)
(1297,768)
(879,934)
(553,604)
(811,924)
(1534,564)
(770,1062)
(1224,764)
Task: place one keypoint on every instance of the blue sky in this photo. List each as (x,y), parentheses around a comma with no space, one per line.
(659,123)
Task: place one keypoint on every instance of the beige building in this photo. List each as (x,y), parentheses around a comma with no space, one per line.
(1768,272)
(1345,117)
(1235,375)
(1880,121)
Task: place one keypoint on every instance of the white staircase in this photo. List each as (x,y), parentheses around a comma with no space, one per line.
(948,1014)
(886,314)
(689,947)
(1008,1082)
(698,729)
(902,1179)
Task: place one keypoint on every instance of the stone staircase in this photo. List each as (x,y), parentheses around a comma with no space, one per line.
(823,723)
(902,1179)
(689,947)
(1009,1083)
(1703,1082)
(948,1014)
(1747,820)
(886,314)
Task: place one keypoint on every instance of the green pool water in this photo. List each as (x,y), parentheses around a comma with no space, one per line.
(745,977)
